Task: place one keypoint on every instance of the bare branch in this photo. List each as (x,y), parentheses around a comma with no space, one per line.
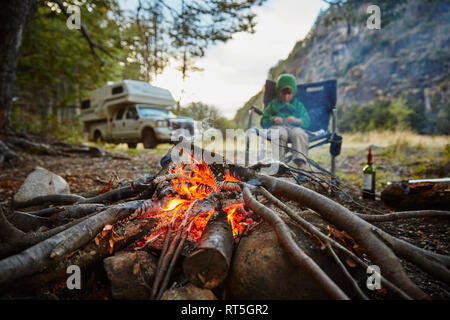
(92,45)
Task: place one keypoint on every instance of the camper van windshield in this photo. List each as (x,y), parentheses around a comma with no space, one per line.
(147,111)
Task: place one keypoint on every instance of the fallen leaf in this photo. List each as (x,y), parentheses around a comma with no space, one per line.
(136,268)
(350,263)
(111,246)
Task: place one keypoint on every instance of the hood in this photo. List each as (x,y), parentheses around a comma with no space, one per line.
(286,80)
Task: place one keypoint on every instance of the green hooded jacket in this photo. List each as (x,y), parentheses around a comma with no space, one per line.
(277,108)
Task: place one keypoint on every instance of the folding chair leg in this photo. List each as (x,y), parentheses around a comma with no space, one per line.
(333,165)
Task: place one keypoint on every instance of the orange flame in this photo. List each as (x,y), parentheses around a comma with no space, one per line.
(201,184)
(173,204)
(237,217)
(231,178)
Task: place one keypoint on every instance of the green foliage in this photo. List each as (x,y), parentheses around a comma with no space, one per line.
(56,68)
(241,117)
(395,114)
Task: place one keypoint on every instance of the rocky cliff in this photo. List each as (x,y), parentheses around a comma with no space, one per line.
(409,55)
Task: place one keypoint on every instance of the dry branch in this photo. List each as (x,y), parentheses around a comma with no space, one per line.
(347,274)
(404,215)
(86,257)
(37,258)
(51,198)
(15,240)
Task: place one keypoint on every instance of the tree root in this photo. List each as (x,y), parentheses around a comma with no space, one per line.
(404,215)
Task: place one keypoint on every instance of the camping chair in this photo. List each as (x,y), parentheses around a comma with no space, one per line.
(319,99)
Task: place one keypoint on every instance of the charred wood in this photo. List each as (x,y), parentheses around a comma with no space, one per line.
(207,267)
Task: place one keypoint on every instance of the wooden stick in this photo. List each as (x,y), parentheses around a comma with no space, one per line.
(173,262)
(36,258)
(404,215)
(347,274)
(165,260)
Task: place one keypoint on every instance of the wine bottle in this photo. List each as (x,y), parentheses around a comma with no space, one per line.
(369,178)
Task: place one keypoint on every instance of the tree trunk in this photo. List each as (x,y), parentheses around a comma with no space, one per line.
(15,16)
(424,195)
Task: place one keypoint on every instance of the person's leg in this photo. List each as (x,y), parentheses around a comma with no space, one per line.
(280,141)
(300,142)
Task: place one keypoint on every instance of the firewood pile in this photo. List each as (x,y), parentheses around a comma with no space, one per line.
(199,230)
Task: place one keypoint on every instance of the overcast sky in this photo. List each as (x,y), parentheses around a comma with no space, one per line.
(236,70)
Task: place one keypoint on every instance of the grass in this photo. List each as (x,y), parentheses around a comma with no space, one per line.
(398,155)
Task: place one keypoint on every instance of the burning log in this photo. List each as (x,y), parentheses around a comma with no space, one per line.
(208,266)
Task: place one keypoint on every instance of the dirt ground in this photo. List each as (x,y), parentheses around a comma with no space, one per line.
(84,173)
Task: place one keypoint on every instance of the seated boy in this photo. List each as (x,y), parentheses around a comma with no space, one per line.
(287,114)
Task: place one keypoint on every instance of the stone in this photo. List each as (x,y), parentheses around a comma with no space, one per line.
(41,182)
(188,292)
(261,269)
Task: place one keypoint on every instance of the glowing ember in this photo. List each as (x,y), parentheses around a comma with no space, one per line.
(237,216)
(173,204)
(229,177)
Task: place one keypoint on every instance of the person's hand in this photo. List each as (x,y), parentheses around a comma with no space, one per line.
(292,120)
(278,120)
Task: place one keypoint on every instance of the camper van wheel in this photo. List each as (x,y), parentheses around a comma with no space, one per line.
(132,145)
(149,139)
(98,136)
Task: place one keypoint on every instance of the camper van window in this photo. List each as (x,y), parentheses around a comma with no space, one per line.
(117,90)
(132,113)
(152,112)
(120,114)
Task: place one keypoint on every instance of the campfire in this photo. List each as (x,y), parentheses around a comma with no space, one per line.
(191,182)
(222,228)
(189,196)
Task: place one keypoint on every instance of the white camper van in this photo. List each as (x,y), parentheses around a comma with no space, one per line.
(133,111)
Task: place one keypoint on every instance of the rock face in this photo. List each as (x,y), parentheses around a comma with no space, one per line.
(130,274)
(261,270)
(407,55)
(188,292)
(41,182)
